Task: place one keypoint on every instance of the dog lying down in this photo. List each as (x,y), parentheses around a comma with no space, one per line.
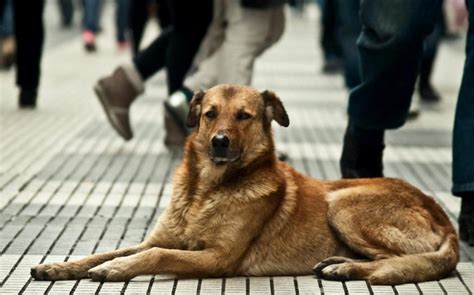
(238,211)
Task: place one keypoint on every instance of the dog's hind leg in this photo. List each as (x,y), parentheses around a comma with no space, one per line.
(394,270)
(75,270)
(405,243)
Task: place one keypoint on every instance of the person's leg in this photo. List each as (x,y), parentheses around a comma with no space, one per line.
(29,34)
(90,23)
(390,48)
(91,15)
(248,33)
(7,36)
(121,21)
(66,9)
(138,16)
(425,88)
(347,32)
(117,91)
(190,22)
(152,59)
(329,41)
(463,140)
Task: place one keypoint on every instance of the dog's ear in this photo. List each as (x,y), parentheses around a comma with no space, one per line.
(195,109)
(274,109)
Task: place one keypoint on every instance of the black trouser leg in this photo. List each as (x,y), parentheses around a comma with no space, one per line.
(190,22)
(138,16)
(152,59)
(29,34)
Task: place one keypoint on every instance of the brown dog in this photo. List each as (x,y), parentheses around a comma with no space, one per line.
(237,210)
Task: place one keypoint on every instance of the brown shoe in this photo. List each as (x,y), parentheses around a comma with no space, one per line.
(116,93)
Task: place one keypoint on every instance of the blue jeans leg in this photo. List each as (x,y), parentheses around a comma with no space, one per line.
(390,47)
(121,19)
(91,15)
(348,30)
(6,20)
(463,135)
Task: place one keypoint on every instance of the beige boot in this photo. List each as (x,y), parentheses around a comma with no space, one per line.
(116,93)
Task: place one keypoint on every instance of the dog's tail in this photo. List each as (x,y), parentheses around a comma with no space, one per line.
(415,267)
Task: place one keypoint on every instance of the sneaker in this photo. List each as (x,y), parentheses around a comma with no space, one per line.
(88,38)
(177,108)
(116,93)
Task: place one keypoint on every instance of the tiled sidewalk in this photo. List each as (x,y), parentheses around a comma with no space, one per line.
(70,187)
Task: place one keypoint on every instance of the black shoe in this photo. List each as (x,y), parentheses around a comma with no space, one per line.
(332,66)
(27,99)
(361,160)
(428,93)
(90,47)
(466,219)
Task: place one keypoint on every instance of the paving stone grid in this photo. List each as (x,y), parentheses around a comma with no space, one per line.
(70,187)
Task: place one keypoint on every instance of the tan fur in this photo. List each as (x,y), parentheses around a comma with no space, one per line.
(258,216)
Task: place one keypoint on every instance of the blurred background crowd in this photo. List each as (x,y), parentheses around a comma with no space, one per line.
(385,50)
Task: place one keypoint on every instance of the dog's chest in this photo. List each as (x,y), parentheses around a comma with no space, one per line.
(202,223)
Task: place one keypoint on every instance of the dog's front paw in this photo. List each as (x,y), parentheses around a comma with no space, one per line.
(57,271)
(111,271)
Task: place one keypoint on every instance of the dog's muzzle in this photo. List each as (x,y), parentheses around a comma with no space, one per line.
(220,152)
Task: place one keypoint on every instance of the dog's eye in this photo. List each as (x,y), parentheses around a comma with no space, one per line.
(243,116)
(211,114)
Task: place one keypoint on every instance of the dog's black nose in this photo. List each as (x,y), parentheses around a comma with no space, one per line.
(220,143)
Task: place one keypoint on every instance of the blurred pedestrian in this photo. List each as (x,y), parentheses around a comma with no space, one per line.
(173,50)
(66,10)
(390,49)
(91,20)
(29,33)
(332,62)
(427,91)
(140,11)
(7,37)
(90,23)
(463,140)
(239,33)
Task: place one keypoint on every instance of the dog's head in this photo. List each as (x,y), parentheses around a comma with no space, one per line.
(233,123)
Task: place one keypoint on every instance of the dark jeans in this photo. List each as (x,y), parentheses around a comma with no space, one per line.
(66,8)
(91,15)
(430,50)
(329,40)
(121,19)
(347,31)
(29,33)
(390,49)
(177,45)
(463,136)
(6,20)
